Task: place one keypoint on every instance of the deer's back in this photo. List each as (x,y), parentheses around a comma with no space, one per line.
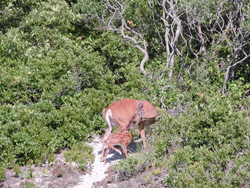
(120,137)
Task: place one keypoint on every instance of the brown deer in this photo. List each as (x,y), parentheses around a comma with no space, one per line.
(122,138)
(126,114)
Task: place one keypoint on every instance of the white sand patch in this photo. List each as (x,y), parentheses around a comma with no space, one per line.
(98,168)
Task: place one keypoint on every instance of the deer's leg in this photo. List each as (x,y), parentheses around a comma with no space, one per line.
(125,150)
(106,135)
(112,147)
(148,127)
(142,131)
(106,154)
(103,144)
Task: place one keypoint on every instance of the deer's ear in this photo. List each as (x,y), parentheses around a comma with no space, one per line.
(136,118)
(139,111)
(139,107)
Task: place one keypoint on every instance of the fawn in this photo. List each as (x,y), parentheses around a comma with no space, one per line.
(126,114)
(122,138)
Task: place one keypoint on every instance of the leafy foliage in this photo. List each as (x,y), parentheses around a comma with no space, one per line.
(80,153)
(60,67)
(206,144)
(2,171)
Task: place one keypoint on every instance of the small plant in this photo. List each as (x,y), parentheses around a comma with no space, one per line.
(158,164)
(45,172)
(155,172)
(146,178)
(2,172)
(51,158)
(30,170)
(81,167)
(17,169)
(28,184)
(137,162)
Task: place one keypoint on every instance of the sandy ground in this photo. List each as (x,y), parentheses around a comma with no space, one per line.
(98,168)
(45,176)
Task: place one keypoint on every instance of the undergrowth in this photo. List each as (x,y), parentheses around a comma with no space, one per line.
(81,154)
(206,145)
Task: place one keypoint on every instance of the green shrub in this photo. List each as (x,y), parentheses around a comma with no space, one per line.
(60,68)
(17,169)
(204,144)
(135,163)
(81,154)
(2,171)
(54,82)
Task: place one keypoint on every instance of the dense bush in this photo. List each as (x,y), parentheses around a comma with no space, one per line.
(205,145)
(61,65)
(81,154)
(2,171)
(54,85)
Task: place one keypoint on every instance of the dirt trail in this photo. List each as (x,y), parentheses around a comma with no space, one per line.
(98,168)
(61,173)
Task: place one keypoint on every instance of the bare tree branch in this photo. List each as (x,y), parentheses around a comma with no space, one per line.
(117,9)
(173,28)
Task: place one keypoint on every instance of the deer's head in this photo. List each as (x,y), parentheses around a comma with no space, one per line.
(137,117)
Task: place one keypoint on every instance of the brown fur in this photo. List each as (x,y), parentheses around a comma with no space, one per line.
(122,138)
(127,113)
